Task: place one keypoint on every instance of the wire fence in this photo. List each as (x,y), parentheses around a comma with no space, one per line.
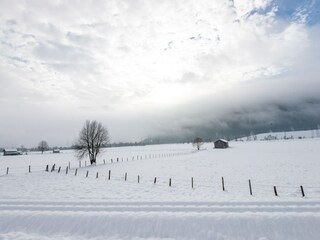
(249,187)
(86,164)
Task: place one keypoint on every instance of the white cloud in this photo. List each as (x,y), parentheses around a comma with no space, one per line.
(125,61)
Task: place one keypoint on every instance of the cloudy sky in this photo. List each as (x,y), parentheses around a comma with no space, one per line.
(157,68)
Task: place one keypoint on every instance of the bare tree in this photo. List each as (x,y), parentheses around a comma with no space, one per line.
(197,142)
(43,146)
(92,137)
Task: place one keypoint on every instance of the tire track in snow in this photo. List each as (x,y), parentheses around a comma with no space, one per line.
(254,207)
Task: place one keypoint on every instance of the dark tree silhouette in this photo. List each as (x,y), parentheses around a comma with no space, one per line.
(197,142)
(92,137)
(43,146)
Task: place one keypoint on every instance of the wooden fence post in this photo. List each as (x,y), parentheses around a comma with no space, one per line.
(29,169)
(192,182)
(7,170)
(47,168)
(97,175)
(275,191)
(79,164)
(169,182)
(111,160)
(59,169)
(53,167)
(75,173)
(67,170)
(250,188)
(302,191)
(87,173)
(138,179)
(125,176)
(104,161)
(223,189)
(109,177)
(155,180)
(117,159)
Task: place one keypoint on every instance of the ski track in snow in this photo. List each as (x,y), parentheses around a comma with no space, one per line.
(159,220)
(205,207)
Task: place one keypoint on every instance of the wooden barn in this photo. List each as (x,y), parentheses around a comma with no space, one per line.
(10,152)
(221,143)
(56,150)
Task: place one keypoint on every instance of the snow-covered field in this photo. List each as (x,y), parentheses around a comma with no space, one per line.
(52,205)
(314,133)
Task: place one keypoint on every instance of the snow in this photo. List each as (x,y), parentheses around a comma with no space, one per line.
(223,140)
(52,205)
(314,133)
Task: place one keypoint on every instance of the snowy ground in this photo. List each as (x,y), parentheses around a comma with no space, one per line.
(52,205)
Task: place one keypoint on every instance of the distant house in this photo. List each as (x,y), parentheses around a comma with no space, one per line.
(221,143)
(10,152)
(56,150)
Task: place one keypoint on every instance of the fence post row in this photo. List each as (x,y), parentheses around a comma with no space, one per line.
(155,179)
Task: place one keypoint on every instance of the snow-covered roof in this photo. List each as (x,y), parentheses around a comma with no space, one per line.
(223,140)
(10,150)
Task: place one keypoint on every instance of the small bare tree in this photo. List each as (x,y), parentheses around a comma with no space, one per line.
(92,137)
(197,142)
(43,146)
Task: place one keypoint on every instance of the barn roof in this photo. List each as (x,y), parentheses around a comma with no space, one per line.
(222,140)
(10,150)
